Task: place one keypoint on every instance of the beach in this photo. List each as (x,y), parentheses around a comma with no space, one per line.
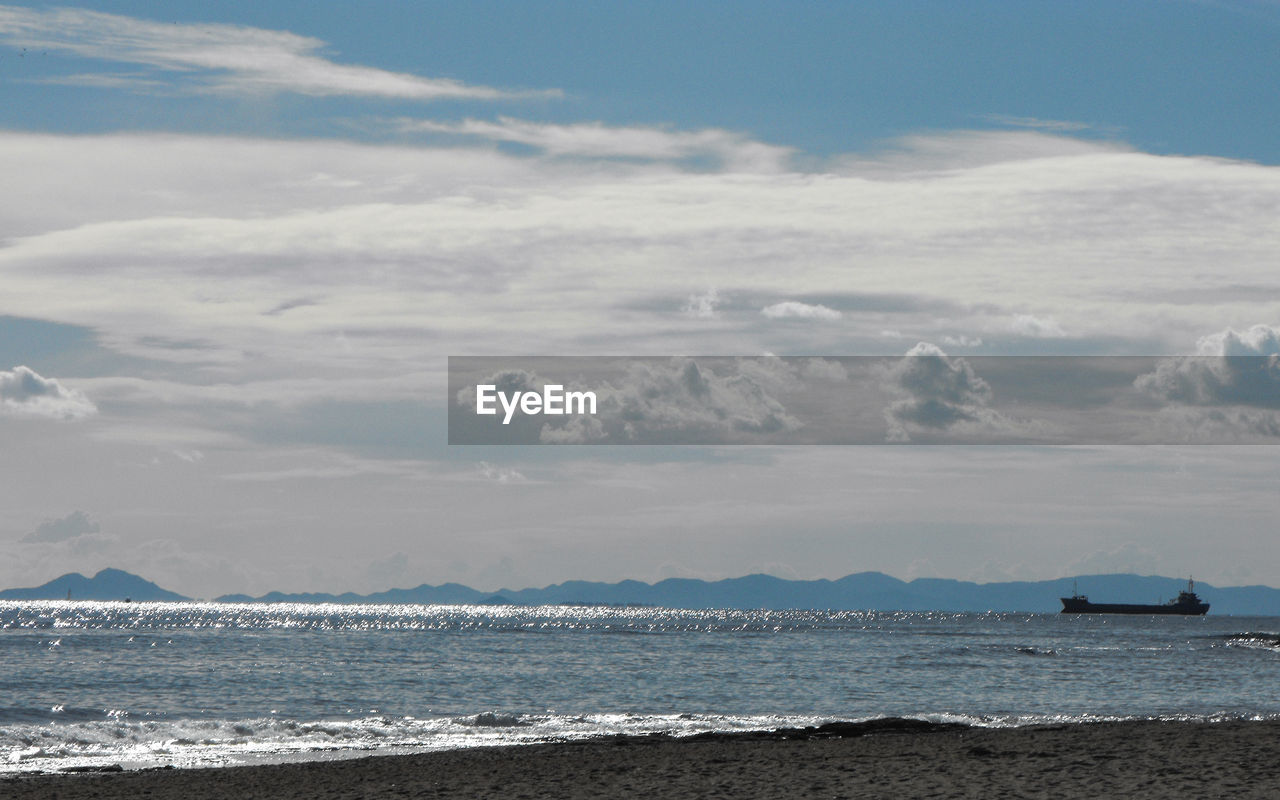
(886,758)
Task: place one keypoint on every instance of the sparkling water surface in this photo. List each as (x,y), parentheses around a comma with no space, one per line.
(146,684)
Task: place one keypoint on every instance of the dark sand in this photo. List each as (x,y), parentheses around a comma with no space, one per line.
(897,759)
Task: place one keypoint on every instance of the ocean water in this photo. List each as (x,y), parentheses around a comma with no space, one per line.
(198,684)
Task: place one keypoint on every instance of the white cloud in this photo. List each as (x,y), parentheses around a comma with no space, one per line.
(735,151)
(682,401)
(231,58)
(491,472)
(792,309)
(73,525)
(703,306)
(1259,340)
(942,393)
(1232,368)
(401,253)
(1036,123)
(1036,327)
(1229,392)
(952,150)
(23,392)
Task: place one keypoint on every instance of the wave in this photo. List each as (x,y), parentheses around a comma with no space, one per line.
(54,747)
(1257,640)
(1036,651)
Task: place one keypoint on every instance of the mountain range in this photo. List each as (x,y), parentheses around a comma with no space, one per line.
(863,590)
(109,584)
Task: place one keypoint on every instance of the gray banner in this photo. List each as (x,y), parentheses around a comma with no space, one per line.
(925,397)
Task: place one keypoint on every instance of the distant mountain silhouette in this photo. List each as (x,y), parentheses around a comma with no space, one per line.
(109,584)
(864,590)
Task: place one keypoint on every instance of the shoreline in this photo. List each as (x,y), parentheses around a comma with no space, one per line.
(889,757)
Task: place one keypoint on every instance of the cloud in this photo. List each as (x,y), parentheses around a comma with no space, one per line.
(1036,123)
(682,401)
(228,58)
(23,392)
(73,525)
(1127,557)
(1232,368)
(971,149)
(507,381)
(1228,425)
(736,151)
(1230,391)
(1036,327)
(498,474)
(962,341)
(392,571)
(942,393)
(1260,340)
(703,306)
(466,250)
(791,309)
(822,369)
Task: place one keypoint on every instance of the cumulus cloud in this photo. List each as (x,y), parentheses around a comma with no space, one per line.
(24,392)
(231,58)
(1229,391)
(792,309)
(1231,368)
(72,526)
(683,401)
(735,151)
(942,393)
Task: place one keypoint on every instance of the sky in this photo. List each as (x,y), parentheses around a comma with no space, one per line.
(239,243)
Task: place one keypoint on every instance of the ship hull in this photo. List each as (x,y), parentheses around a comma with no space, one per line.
(1072,605)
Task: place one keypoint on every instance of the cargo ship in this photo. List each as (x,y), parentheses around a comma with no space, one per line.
(1187,604)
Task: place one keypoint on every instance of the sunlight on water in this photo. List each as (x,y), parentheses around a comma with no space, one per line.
(145,684)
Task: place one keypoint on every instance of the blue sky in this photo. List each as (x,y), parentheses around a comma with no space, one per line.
(1167,77)
(238,243)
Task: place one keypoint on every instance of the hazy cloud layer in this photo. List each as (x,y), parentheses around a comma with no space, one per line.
(734,151)
(214,56)
(469,250)
(403,255)
(23,392)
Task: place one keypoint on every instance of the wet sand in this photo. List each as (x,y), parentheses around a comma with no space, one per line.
(888,758)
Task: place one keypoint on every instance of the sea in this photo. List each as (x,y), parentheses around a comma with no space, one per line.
(85,684)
